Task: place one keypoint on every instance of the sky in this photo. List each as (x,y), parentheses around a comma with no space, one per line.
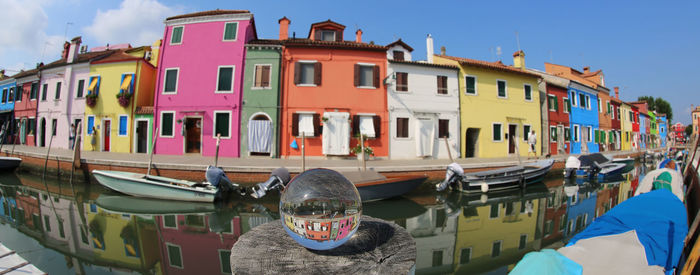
(643,47)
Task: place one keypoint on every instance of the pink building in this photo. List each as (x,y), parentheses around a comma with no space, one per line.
(199,82)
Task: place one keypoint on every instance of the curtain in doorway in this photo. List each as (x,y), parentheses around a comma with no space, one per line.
(425,137)
(336,133)
(560,139)
(259,136)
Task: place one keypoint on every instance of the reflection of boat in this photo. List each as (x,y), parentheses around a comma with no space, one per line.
(393,209)
(157,187)
(497,179)
(594,165)
(9,163)
(146,206)
(374,186)
(534,191)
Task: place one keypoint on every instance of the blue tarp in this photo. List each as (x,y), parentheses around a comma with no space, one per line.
(546,262)
(658,217)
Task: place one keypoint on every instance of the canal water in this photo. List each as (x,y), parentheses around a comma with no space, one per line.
(85,229)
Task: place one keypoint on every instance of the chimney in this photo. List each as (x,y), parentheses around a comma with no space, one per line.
(586,69)
(443,50)
(73,50)
(519,60)
(358,36)
(284,27)
(429,48)
(64,53)
(617,92)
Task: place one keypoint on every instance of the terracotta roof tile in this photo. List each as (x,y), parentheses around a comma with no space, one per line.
(144,110)
(25,73)
(121,55)
(299,42)
(489,65)
(400,43)
(444,66)
(81,58)
(207,13)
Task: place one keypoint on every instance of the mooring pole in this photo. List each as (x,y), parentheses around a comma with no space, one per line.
(362,152)
(153,146)
(303,153)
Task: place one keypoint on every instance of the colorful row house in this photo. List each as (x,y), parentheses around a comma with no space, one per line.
(653,130)
(423,103)
(662,124)
(626,126)
(558,108)
(615,137)
(499,105)
(116,85)
(199,82)
(333,92)
(7,104)
(26,104)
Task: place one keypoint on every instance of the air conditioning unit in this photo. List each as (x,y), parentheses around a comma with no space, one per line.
(83,48)
(147,55)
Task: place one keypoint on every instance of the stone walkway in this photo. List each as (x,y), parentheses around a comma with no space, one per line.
(265,164)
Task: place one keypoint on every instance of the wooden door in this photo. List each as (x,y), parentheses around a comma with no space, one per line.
(193,135)
(142,136)
(106,133)
(42,137)
(512,138)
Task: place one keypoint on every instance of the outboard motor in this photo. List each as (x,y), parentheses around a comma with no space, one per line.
(216,177)
(278,180)
(572,164)
(454,173)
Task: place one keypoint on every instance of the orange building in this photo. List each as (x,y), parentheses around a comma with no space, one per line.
(332,91)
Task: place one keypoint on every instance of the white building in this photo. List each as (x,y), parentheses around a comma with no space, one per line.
(423,104)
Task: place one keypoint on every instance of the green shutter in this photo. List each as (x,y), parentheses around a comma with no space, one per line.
(222,124)
(230,31)
(170,80)
(556,104)
(225,79)
(567,134)
(568,105)
(177,35)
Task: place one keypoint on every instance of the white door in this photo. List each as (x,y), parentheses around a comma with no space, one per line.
(425,136)
(336,133)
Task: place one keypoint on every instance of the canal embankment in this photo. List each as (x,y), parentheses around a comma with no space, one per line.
(243,170)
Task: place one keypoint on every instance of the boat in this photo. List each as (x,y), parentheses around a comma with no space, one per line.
(662,178)
(9,163)
(628,162)
(147,206)
(594,165)
(498,179)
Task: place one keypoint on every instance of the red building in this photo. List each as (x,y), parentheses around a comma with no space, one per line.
(25,105)
(319,231)
(559,107)
(616,139)
(635,127)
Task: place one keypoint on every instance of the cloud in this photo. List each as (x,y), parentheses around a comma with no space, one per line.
(24,32)
(137,22)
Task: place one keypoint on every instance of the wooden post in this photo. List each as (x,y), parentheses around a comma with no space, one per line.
(216,157)
(303,153)
(449,152)
(378,247)
(48,151)
(153,147)
(362,152)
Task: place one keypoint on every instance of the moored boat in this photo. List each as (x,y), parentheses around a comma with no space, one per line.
(498,179)
(9,163)
(142,185)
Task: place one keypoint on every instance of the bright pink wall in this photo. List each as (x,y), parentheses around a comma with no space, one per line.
(198,57)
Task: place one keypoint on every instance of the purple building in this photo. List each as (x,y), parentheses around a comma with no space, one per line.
(199,82)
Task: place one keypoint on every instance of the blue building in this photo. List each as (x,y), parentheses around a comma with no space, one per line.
(7,103)
(580,210)
(583,118)
(643,121)
(663,128)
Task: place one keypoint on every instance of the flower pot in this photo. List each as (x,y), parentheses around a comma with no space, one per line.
(90,101)
(124,101)
(359,157)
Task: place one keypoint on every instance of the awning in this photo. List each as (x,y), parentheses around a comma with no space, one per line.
(367,126)
(93,84)
(126,82)
(306,125)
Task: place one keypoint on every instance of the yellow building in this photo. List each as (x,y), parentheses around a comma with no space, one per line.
(128,73)
(626,126)
(499,104)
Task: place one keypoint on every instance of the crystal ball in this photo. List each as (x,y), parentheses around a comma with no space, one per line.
(320,209)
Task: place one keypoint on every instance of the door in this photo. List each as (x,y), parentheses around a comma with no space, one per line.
(42,136)
(512,138)
(472,142)
(106,133)
(560,139)
(259,135)
(23,131)
(142,136)
(193,134)
(335,138)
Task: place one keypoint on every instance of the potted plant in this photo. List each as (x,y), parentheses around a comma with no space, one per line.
(358,148)
(91,100)
(124,99)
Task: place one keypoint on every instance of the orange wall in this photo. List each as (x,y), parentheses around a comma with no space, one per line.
(337,91)
(604,118)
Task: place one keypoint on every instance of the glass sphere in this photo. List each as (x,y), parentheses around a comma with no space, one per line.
(320,209)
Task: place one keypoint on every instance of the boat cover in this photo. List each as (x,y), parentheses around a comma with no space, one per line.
(659,220)
(663,178)
(546,262)
(587,160)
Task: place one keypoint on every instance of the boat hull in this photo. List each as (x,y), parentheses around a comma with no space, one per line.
(506,178)
(153,186)
(389,188)
(9,163)
(147,206)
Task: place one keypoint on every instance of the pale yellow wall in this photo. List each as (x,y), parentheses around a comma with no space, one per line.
(113,242)
(485,108)
(626,126)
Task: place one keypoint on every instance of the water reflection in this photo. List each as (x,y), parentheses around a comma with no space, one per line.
(99,232)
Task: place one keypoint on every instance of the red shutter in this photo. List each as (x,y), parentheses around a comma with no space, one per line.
(317,125)
(377,126)
(357,76)
(265,81)
(355,125)
(297,73)
(339,36)
(317,35)
(317,73)
(376,77)
(295,125)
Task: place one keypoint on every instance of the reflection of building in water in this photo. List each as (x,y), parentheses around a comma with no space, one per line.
(555,214)
(434,232)
(321,229)
(249,221)
(189,245)
(496,234)
(580,211)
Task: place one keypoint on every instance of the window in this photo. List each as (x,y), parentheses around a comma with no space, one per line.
(443,128)
(35,90)
(127,84)
(588,102)
(609,109)
(366,76)
(170,84)
(327,35)
(526,131)
(502,92)
(90,125)
(222,123)
(573,99)
(582,100)
(174,255)
(494,213)
(552,103)
(123,125)
(366,125)
(307,73)
(11,96)
(465,256)
(45,90)
(401,82)
(497,136)
(402,127)
(528,92)
(58,90)
(567,105)
(225,261)
(618,113)
(32,126)
(590,134)
(4,96)
(262,76)
(306,124)
(169,221)
(225,79)
(631,116)
(496,249)
(577,132)
(442,84)
(230,31)
(567,134)
(398,55)
(470,83)
(547,226)
(94,87)
(176,37)
(523,242)
(61,232)
(47,223)
(167,120)
(54,125)
(600,106)
(81,87)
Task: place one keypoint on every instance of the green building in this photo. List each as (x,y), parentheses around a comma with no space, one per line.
(261,99)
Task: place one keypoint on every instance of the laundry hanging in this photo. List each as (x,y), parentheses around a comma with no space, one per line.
(259,136)
(336,133)
(425,137)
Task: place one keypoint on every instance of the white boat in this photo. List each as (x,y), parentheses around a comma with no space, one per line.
(498,179)
(142,185)
(9,163)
